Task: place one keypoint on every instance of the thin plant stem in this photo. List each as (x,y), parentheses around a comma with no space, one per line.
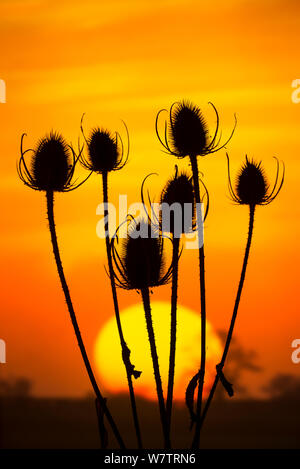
(175,259)
(125,349)
(196,440)
(100,398)
(159,390)
(234,314)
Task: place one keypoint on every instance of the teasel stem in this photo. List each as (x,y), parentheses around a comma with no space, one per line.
(175,260)
(196,440)
(101,400)
(125,349)
(159,389)
(220,366)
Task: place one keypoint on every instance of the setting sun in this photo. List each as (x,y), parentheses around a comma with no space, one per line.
(108,357)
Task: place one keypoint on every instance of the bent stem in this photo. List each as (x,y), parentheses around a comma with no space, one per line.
(169,403)
(100,399)
(159,390)
(234,314)
(125,349)
(196,440)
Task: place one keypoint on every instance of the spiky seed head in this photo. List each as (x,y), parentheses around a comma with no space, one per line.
(188,130)
(103,151)
(179,191)
(51,163)
(251,184)
(141,258)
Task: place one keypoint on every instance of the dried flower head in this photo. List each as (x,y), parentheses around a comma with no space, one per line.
(186,133)
(252,187)
(52,166)
(105,150)
(141,262)
(179,193)
(177,205)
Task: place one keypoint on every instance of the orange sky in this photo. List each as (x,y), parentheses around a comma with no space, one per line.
(125,60)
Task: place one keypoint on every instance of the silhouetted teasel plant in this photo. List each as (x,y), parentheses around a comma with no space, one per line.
(105,153)
(140,265)
(186,134)
(178,191)
(251,189)
(178,198)
(51,170)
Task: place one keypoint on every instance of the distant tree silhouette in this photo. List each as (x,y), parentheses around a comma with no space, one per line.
(283,386)
(240,360)
(4,388)
(19,388)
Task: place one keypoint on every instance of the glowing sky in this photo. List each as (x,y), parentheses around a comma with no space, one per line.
(118,60)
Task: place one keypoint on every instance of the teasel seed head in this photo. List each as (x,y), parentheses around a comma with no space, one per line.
(141,260)
(105,151)
(187,134)
(252,187)
(188,130)
(52,165)
(176,211)
(179,191)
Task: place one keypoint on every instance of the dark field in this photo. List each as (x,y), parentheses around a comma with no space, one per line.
(71,423)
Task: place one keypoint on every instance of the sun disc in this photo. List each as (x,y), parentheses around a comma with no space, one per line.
(108,351)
